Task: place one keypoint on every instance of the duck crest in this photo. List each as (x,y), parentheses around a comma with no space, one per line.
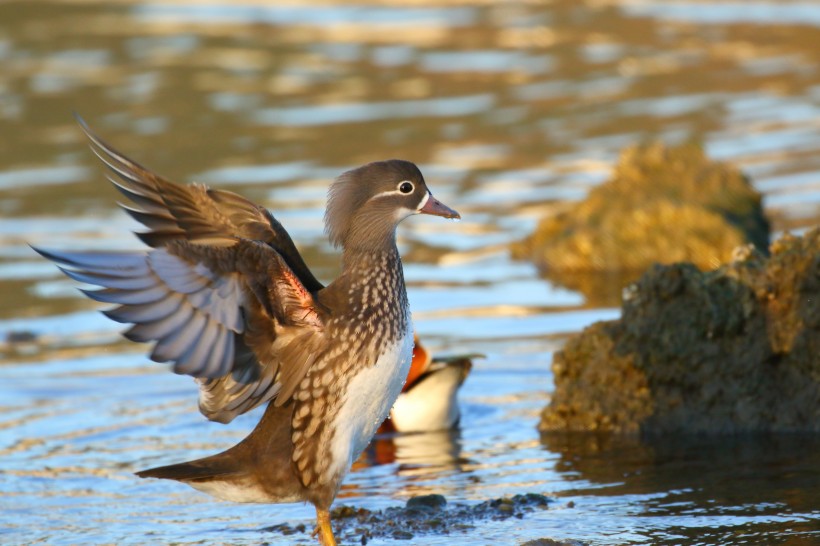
(352,190)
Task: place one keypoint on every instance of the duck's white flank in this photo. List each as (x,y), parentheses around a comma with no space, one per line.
(238,490)
(369,397)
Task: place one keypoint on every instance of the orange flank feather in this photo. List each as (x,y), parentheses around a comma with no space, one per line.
(421,361)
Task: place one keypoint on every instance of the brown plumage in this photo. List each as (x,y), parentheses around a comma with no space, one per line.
(225,297)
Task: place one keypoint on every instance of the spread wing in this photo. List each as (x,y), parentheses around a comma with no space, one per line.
(217,313)
(224,295)
(194,212)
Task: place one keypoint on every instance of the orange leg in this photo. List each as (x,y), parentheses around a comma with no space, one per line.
(323,528)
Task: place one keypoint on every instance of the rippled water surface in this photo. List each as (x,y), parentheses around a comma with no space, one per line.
(512,110)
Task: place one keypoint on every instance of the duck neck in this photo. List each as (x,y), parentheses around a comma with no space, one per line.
(360,261)
(360,252)
(371,290)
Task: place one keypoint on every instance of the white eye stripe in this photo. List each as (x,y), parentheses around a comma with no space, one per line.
(386,193)
(424,201)
(397,191)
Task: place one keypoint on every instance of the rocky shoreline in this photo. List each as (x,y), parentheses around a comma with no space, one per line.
(726,351)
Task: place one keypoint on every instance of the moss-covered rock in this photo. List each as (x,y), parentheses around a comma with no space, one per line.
(661,205)
(735,349)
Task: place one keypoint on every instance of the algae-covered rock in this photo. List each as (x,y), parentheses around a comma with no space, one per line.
(735,349)
(661,205)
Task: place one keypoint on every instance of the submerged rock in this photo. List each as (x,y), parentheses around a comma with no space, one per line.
(552,542)
(731,350)
(661,205)
(427,502)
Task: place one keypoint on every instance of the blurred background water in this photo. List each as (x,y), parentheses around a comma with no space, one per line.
(511,109)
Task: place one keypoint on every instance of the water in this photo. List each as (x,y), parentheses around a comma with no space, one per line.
(511,110)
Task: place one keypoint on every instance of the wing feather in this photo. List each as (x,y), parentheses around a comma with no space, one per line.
(283,344)
(134,297)
(223,295)
(197,302)
(110,263)
(146,312)
(109,281)
(196,358)
(193,212)
(178,323)
(178,344)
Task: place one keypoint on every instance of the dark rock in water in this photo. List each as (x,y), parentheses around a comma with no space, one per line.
(434,502)
(661,205)
(427,514)
(551,542)
(20,336)
(731,350)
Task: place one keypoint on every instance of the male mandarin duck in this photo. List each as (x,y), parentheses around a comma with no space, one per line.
(225,297)
(428,400)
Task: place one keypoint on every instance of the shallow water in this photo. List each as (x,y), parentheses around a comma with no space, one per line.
(511,111)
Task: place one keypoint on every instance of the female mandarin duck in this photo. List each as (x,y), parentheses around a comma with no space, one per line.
(225,297)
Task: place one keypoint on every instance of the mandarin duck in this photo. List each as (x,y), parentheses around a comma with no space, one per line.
(224,296)
(428,400)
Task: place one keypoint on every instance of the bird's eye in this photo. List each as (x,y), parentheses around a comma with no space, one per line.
(406,187)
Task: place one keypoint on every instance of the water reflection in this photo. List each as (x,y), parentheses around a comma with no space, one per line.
(706,488)
(423,462)
(436,451)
